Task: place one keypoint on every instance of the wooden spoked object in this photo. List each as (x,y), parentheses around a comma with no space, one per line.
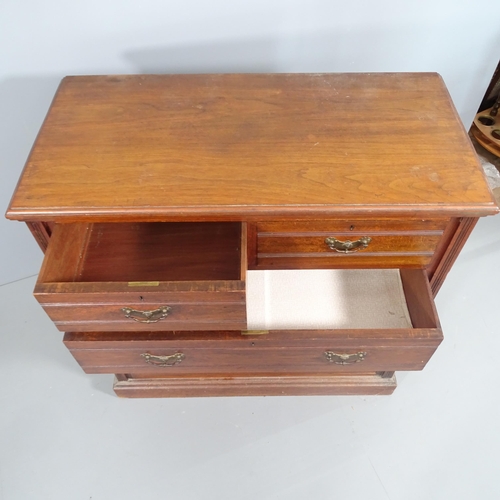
(486,129)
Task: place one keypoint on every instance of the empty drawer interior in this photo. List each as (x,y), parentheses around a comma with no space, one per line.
(142,252)
(339,299)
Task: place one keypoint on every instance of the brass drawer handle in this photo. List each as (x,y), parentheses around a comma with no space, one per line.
(173,359)
(147,316)
(348,246)
(345,359)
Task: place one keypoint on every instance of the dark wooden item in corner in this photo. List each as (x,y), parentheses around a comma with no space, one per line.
(154,195)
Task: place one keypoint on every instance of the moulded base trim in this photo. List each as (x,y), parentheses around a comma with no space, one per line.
(379,383)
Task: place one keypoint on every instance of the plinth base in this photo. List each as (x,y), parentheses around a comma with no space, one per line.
(376,383)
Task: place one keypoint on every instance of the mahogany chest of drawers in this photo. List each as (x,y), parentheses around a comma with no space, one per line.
(190,223)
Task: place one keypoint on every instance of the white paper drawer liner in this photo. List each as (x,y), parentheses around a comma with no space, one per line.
(326,299)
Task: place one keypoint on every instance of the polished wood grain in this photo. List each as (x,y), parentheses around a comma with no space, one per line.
(184,314)
(92,271)
(419,301)
(441,249)
(301,244)
(293,351)
(242,247)
(381,225)
(162,190)
(163,252)
(311,251)
(65,254)
(278,351)
(374,384)
(145,252)
(41,231)
(250,147)
(459,232)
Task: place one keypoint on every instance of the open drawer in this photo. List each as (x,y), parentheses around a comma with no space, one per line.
(282,351)
(145,276)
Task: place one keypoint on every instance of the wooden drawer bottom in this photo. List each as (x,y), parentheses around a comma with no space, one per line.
(375,384)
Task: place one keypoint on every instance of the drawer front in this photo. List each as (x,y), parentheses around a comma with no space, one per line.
(354,244)
(133,317)
(182,306)
(298,351)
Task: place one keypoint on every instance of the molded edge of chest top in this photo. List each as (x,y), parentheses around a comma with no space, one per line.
(251,146)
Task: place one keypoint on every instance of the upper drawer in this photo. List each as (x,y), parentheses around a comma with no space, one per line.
(346,243)
(147,276)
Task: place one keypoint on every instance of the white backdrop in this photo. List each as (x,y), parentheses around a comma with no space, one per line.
(40,42)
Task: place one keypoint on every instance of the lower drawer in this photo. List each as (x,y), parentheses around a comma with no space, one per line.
(276,347)
(281,351)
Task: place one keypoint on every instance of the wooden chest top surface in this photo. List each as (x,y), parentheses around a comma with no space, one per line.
(237,147)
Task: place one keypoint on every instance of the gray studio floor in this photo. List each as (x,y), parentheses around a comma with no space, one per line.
(64,435)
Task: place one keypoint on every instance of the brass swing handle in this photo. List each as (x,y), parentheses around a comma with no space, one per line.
(147,316)
(171,360)
(348,246)
(345,359)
